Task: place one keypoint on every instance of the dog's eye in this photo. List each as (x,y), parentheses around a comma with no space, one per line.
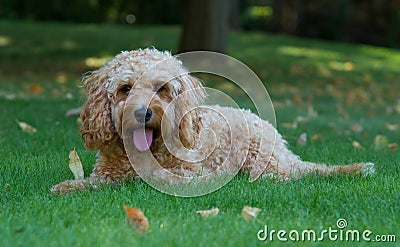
(125,89)
(159,89)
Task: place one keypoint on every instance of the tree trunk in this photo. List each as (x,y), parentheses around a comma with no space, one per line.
(206,25)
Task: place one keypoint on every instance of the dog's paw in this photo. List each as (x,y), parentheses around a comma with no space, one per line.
(368,170)
(69,186)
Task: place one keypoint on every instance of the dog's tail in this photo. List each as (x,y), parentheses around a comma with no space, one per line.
(365,169)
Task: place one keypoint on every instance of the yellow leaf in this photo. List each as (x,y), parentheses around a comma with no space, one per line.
(26,127)
(75,164)
(380,142)
(136,219)
(249,213)
(79,121)
(316,137)
(207,213)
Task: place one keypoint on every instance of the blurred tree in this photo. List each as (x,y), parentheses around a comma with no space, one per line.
(205,26)
(373,21)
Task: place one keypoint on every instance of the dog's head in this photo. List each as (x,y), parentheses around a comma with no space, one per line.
(149,85)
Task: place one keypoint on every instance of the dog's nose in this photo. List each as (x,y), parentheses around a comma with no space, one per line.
(143,115)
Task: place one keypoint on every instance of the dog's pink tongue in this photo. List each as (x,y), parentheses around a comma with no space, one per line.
(142,138)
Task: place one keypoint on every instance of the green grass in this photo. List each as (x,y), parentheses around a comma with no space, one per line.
(345,84)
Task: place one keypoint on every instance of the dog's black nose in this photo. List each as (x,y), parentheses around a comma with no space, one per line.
(143,115)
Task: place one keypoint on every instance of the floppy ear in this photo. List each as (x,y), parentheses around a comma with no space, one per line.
(97,129)
(191,95)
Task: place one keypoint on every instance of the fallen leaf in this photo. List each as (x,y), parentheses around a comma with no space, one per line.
(392,127)
(357,145)
(302,140)
(397,107)
(207,213)
(316,137)
(312,112)
(380,142)
(357,128)
(392,146)
(55,92)
(301,119)
(79,121)
(297,99)
(136,219)
(7,96)
(249,213)
(293,125)
(35,89)
(26,127)
(73,112)
(75,164)
(61,78)
(6,186)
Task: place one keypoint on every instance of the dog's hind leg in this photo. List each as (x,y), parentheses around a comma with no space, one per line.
(365,169)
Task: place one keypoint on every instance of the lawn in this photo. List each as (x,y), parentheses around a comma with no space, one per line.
(342,96)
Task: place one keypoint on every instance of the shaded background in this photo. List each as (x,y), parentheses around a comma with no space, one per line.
(206,23)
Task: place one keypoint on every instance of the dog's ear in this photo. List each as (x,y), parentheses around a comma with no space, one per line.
(97,129)
(191,95)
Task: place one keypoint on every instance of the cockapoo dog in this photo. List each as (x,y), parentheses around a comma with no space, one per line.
(151,92)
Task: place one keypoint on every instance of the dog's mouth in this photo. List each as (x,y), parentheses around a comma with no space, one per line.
(143,138)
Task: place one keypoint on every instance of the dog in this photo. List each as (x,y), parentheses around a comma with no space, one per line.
(152,92)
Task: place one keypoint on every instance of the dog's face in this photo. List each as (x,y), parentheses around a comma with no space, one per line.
(140,88)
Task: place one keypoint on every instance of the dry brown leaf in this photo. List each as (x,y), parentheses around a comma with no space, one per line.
(249,213)
(392,146)
(297,99)
(136,219)
(302,140)
(26,127)
(35,89)
(357,128)
(208,213)
(392,127)
(75,164)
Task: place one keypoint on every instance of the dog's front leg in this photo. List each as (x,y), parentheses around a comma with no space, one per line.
(79,185)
